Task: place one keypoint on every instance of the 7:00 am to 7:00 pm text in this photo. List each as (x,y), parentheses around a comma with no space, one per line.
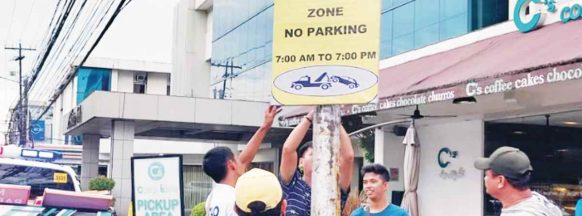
(343,56)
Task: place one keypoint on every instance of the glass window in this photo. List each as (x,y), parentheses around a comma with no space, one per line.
(488,12)
(426,36)
(386,35)
(403,43)
(413,24)
(386,4)
(451,8)
(403,21)
(248,45)
(426,13)
(197,185)
(454,27)
(36,177)
(139,82)
(90,80)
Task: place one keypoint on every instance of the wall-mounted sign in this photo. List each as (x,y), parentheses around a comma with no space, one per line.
(75,117)
(157,185)
(447,161)
(325,51)
(37,130)
(567,13)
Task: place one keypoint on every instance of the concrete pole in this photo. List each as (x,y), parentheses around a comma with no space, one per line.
(325,194)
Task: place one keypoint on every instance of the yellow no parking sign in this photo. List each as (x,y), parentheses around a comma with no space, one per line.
(326,51)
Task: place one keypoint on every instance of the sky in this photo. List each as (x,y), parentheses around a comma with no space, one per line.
(142,31)
(20,21)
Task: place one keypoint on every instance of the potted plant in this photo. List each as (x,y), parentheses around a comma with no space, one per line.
(101,183)
(198,210)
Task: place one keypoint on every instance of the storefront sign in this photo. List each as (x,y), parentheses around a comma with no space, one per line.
(157,186)
(445,157)
(326,51)
(555,74)
(567,13)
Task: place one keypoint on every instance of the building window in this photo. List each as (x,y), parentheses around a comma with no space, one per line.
(140,82)
(168,85)
(197,185)
(488,12)
(90,80)
(269,166)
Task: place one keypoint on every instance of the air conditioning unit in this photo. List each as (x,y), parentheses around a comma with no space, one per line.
(140,78)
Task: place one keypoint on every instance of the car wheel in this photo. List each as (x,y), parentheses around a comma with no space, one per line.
(351,85)
(298,87)
(335,79)
(325,86)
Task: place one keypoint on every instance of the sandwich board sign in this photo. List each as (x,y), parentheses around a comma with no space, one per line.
(157,185)
(325,51)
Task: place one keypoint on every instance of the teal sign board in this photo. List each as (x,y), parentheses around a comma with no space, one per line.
(567,13)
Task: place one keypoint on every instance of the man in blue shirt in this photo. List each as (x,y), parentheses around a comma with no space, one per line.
(376,178)
(297,185)
(578,210)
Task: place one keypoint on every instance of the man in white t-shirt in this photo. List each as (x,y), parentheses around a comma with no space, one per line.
(507,175)
(224,167)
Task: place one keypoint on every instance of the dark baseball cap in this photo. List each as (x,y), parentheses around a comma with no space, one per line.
(507,161)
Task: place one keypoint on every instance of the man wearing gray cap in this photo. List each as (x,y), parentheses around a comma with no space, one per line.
(507,175)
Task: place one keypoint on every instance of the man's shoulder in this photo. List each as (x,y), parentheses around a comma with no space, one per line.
(220,203)
(535,205)
(220,197)
(358,212)
(397,210)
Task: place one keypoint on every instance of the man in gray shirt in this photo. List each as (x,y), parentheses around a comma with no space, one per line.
(507,175)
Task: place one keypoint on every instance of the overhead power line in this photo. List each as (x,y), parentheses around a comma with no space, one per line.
(58,66)
(69,78)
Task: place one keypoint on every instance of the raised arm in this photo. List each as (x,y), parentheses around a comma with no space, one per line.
(289,153)
(346,160)
(247,155)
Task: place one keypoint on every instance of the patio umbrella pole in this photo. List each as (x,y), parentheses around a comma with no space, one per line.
(325,194)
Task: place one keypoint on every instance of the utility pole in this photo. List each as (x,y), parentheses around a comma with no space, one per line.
(325,192)
(23,99)
(226,75)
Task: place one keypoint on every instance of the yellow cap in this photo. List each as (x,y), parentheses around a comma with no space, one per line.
(258,185)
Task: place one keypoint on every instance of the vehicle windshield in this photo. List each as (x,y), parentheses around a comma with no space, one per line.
(36,177)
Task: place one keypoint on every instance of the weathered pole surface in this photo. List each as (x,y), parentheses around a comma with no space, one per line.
(325,194)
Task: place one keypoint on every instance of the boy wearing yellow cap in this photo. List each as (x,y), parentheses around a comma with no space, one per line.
(258,193)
